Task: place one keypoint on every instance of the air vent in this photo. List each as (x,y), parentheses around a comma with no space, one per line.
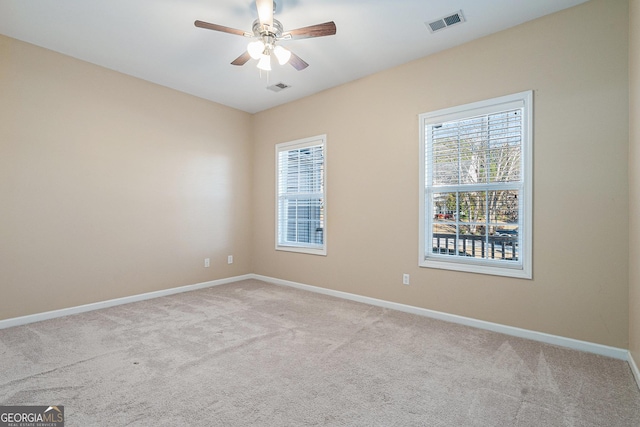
(278,87)
(445,21)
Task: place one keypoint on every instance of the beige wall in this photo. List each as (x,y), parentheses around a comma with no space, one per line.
(634,180)
(576,61)
(111,186)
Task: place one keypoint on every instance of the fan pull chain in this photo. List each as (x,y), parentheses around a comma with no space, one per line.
(267,73)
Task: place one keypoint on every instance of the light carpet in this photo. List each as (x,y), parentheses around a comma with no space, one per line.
(256,354)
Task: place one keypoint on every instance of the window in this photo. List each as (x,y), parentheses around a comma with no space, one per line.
(300,204)
(475,187)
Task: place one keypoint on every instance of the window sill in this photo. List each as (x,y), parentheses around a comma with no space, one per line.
(518,271)
(303,250)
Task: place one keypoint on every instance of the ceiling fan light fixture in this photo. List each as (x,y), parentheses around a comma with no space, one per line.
(282,54)
(265,63)
(255,49)
(266,32)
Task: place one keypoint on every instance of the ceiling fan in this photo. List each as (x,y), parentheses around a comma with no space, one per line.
(267,32)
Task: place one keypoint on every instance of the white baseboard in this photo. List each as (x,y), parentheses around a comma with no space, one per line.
(589,347)
(634,369)
(603,350)
(23,320)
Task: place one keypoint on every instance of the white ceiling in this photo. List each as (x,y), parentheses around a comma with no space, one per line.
(156,40)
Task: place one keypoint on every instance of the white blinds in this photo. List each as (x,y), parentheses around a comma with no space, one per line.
(483,149)
(301,196)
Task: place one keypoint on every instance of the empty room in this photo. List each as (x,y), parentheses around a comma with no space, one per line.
(320,212)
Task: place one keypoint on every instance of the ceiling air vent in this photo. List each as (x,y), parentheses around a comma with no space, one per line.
(445,21)
(278,87)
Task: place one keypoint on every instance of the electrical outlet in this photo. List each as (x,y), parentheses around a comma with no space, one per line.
(405,279)
(230,259)
(207,262)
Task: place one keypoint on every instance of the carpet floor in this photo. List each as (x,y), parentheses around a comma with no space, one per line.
(256,354)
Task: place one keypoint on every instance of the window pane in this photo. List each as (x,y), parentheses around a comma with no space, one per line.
(477,150)
(485,225)
(471,243)
(301,170)
(444,207)
(505,243)
(302,221)
(472,207)
(503,207)
(444,239)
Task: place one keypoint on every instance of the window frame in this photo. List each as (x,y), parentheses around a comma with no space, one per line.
(523,267)
(314,141)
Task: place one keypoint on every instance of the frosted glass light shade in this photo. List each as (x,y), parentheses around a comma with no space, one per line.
(265,63)
(255,49)
(282,54)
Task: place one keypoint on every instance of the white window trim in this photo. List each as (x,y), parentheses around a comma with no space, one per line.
(524,269)
(302,143)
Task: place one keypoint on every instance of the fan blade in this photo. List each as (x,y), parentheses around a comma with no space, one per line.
(265,12)
(216,27)
(319,30)
(297,62)
(242,59)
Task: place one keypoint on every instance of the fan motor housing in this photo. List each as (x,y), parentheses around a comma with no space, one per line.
(274,31)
